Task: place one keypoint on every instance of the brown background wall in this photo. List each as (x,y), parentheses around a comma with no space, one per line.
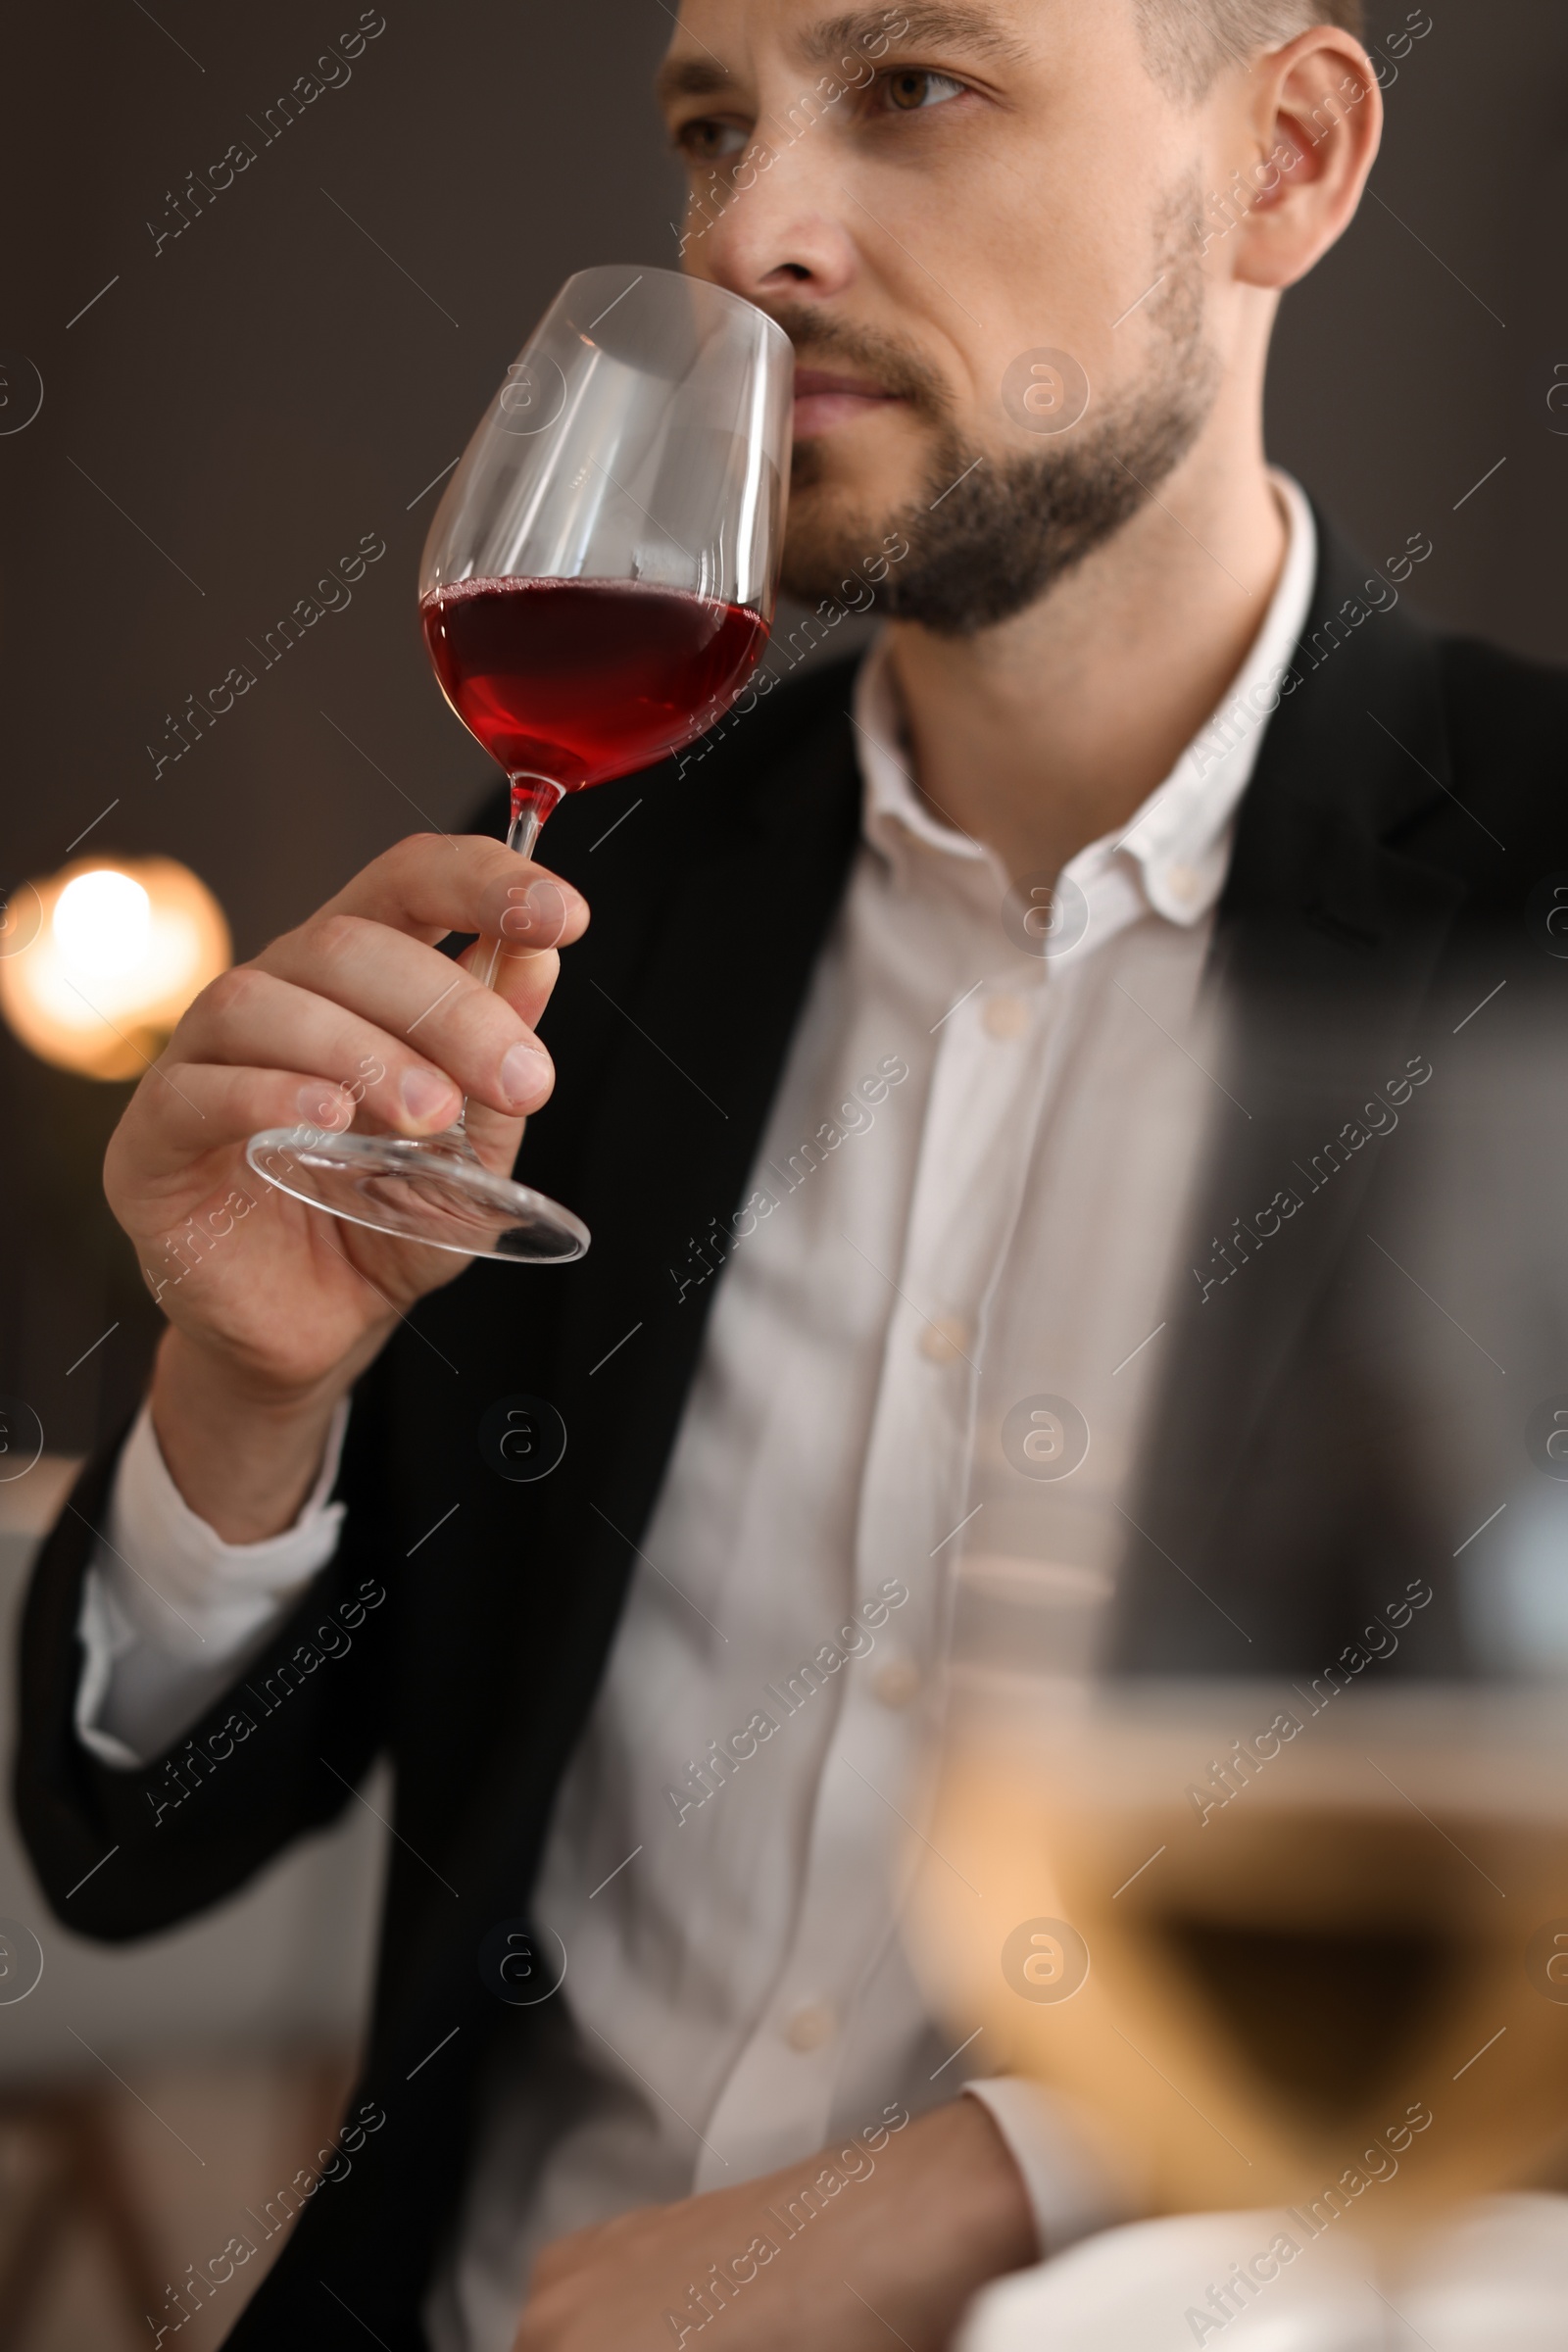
(242,405)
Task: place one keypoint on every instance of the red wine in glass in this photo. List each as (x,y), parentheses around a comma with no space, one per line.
(596,588)
(577,681)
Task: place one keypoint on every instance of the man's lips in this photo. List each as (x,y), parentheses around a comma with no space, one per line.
(823,400)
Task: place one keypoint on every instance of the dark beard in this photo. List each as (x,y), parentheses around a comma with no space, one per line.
(986,546)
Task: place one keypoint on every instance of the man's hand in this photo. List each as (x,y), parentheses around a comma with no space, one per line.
(850,2252)
(354,1017)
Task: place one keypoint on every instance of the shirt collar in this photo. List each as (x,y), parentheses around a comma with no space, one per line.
(1177,847)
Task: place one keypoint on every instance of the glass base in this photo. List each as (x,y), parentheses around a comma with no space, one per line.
(434,1192)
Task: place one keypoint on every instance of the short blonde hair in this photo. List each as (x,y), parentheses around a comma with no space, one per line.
(1190,42)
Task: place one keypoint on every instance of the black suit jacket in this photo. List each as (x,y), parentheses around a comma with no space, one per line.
(1357,872)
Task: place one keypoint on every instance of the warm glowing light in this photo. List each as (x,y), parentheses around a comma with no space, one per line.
(102,922)
(100,962)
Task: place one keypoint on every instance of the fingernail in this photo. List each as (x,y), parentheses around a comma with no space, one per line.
(423,1095)
(537,913)
(525,1075)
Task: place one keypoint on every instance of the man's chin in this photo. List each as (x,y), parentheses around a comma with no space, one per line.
(833,533)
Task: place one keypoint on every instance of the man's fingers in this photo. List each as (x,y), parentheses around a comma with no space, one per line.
(437,1008)
(253,1018)
(356,1008)
(432,884)
(184,1110)
(525,980)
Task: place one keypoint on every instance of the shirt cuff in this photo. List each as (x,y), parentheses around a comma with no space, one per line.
(181,1586)
(1067,2191)
(169,1610)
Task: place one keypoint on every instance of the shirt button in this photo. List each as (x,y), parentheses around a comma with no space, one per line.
(1183,882)
(1005,1018)
(808,2029)
(896,1682)
(945,1341)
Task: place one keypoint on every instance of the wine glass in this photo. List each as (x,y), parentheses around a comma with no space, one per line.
(1280,1946)
(1279,1909)
(598,584)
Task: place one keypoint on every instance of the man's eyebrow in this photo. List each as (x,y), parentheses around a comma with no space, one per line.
(692,76)
(943,24)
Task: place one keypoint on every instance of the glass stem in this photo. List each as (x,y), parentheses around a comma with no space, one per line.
(532,800)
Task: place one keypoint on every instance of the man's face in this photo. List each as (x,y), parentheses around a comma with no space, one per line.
(979,224)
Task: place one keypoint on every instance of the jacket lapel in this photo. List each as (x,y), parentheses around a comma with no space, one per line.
(700,1048)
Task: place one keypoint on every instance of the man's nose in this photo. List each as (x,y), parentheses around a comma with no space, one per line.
(784,227)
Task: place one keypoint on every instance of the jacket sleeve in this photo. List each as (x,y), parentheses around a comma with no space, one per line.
(123,1852)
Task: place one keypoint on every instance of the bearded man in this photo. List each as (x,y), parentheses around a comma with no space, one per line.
(873,1092)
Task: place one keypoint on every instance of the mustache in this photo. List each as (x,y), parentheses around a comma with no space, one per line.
(896,365)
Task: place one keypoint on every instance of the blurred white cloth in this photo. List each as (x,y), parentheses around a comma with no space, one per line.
(1493,2278)
(1496,2275)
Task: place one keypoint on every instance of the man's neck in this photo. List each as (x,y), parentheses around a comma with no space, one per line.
(1045,733)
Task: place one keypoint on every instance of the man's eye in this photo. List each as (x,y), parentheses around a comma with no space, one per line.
(914,87)
(709,141)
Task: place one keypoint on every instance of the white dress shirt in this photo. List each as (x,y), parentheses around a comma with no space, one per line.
(1002,1142)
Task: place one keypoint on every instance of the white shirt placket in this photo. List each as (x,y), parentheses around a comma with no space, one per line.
(988,1083)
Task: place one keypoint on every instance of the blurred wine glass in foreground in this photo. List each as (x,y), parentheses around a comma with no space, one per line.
(1283,1945)
(1265,1872)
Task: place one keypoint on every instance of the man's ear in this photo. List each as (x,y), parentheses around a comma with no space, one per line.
(1315,122)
